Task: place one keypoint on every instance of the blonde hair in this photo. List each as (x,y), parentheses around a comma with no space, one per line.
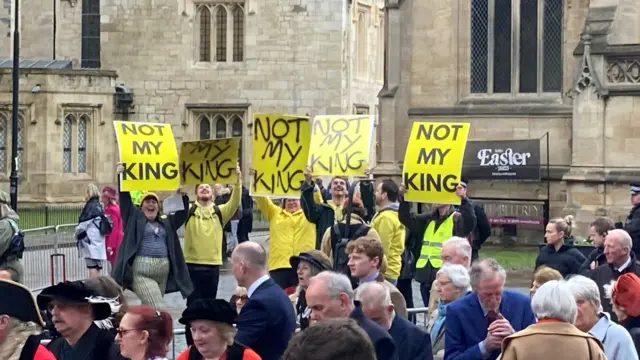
(563,224)
(545,274)
(240,291)
(93,191)
(226,332)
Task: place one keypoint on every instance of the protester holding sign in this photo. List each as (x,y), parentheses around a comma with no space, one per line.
(203,236)
(435,228)
(150,260)
(290,234)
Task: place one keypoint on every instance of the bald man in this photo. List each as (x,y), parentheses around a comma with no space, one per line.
(267,321)
(411,342)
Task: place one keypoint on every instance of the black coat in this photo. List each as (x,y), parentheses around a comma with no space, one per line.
(567,260)
(596,255)
(603,275)
(245,226)
(382,341)
(95,344)
(632,226)
(134,222)
(633,327)
(482,230)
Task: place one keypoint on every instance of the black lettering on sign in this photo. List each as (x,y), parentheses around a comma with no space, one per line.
(214,167)
(434,156)
(438,132)
(146,147)
(339,135)
(138,128)
(149,171)
(282,150)
(429,182)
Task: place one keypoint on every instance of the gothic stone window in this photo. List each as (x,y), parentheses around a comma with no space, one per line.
(221,32)
(5,141)
(74,142)
(90,51)
(359,109)
(380,59)
(362,32)
(516,46)
(223,123)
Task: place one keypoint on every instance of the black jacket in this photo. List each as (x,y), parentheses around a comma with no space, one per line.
(632,226)
(245,226)
(95,344)
(604,274)
(567,260)
(482,230)
(133,222)
(382,341)
(596,255)
(633,327)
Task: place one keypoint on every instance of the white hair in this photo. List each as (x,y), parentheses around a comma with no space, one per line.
(486,269)
(585,289)
(608,289)
(336,283)
(463,248)
(554,300)
(458,275)
(374,293)
(622,237)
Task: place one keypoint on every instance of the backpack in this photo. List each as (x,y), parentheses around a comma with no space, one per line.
(106,225)
(339,245)
(16,244)
(216,209)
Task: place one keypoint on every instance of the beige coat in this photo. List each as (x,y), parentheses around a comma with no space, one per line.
(551,340)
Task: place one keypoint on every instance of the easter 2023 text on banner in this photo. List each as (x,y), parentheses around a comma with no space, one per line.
(433,162)
(149,156)
(280,151)
(209,161)
(340,145)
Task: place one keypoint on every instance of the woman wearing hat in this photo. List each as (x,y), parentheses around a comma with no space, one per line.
(211,324)
(307,265)
(112,210)
(150,260)
(625,298)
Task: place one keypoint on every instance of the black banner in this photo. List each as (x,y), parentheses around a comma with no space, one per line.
(502,160)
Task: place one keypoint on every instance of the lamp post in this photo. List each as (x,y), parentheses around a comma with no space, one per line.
(15,78)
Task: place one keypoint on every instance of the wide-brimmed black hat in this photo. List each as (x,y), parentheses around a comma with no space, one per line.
(18,302)
(209,309)
(314,257)
(76,293)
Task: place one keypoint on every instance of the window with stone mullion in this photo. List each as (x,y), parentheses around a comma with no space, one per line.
(516,46)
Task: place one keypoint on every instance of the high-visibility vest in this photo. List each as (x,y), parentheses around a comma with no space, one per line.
(432,242)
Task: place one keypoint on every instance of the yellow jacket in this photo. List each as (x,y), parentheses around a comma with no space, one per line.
(392,236)
(203,231)
(289,233)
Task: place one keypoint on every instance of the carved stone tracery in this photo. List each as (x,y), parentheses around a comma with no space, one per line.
(623,71)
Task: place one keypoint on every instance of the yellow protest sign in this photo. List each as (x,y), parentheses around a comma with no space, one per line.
(340,145)
(280,150)
(149,155)
(433,162)
(209,161)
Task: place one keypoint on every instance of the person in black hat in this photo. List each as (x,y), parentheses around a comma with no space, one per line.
(74,307)
(307,265)
(210,322)
(632,223)
(20,324)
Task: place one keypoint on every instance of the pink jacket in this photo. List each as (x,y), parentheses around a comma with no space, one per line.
(113,239)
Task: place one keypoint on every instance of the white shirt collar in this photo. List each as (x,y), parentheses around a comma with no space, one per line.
(257,283)
(625,265)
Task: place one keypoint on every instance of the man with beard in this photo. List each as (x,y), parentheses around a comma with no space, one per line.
(74,307)
(324,214)
(20,324)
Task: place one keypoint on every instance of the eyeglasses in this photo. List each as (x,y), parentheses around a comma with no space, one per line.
(122,332)
(242,298)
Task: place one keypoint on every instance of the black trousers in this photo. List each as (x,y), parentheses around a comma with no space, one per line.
(285,278)
(205,280)
(405,288)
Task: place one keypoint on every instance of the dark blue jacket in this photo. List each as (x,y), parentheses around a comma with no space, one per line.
(267,321)
(411,342)
(382,341)
(466,325)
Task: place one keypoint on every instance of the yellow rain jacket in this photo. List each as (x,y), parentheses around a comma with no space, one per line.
(392,236)
(203,231)
(289,233)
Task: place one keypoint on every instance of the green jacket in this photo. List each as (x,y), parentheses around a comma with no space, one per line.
(12,263)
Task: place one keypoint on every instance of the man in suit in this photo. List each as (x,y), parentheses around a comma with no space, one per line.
(411,342)
(267,321)
(330,296)
(477,323)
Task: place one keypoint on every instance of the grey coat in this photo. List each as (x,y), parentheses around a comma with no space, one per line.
(91,243)
(133,222)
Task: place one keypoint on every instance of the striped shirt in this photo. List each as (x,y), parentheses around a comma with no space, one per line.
(154,242)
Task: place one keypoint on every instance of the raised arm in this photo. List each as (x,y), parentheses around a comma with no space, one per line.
(231,207)
(127,208)
(310,208)
(368,198)
(266,207)
(178,218)
(413,222)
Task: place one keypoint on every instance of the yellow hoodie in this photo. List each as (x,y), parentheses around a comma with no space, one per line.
(203,232)
(392,235)
(289,233)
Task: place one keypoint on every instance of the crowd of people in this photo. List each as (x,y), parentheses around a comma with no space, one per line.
(335,283)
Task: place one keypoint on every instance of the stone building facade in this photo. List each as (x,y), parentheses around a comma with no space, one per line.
(517,69)
(204,66)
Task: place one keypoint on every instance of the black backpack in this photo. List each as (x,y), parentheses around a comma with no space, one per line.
(16,244)
(339,244)
(106,225)
(216,209)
